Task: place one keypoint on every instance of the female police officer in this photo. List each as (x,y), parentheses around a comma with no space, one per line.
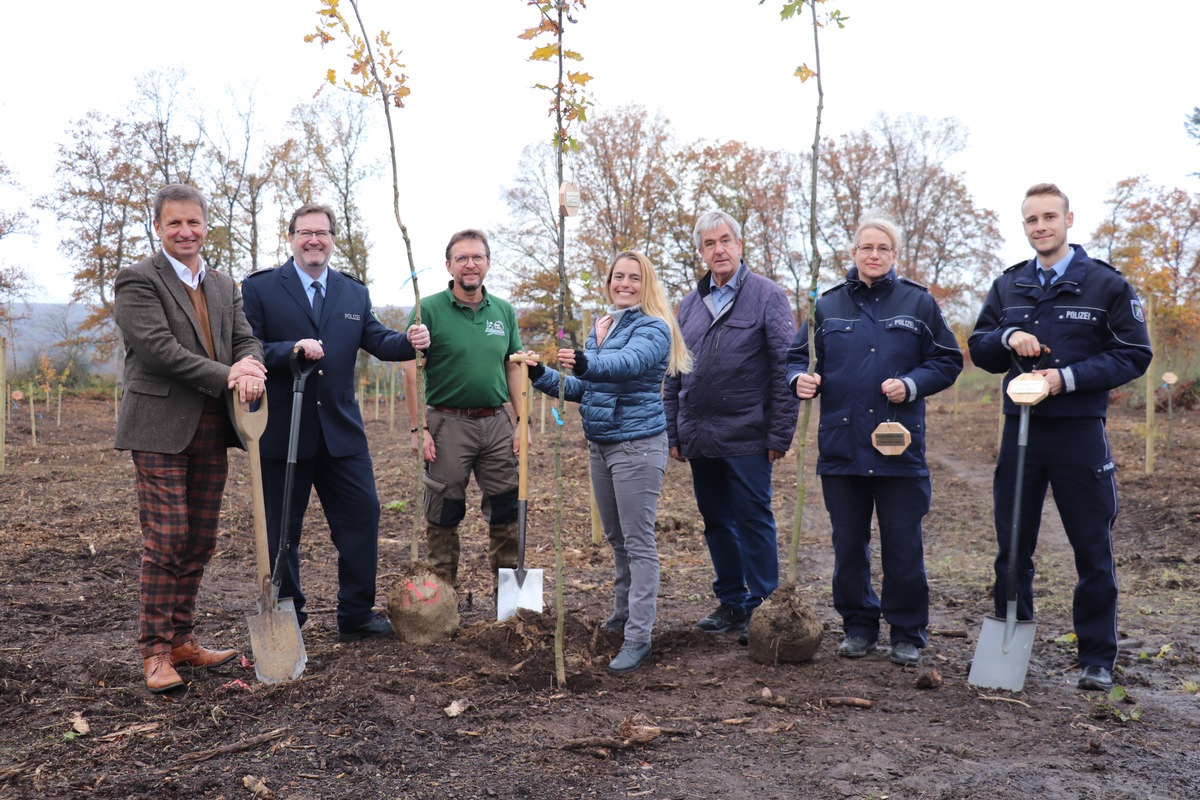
(882,346)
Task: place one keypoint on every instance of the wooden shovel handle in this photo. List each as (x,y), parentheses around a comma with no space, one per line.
(252,424)
(522,404)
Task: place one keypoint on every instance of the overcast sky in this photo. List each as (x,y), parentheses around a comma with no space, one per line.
(1080,92)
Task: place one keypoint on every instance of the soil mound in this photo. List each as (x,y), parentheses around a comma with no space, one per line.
(423,606)
(785,629)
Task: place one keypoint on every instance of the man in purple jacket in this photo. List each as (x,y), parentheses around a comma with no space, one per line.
(733,416)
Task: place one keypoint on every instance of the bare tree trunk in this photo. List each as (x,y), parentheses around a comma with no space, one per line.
(559,661)
(419,471)
(814,274)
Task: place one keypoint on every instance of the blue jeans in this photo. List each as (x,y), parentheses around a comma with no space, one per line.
(734,498)
(627,477)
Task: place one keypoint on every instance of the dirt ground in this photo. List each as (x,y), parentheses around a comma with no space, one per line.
(373,719)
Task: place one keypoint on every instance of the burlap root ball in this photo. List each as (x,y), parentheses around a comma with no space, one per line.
(785,629)
(423,606)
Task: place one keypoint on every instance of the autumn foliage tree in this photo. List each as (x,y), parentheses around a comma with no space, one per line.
(899,166)
(100,203)
(628,183)
(1152,234)
(529,240)
(241,176)
(14,278)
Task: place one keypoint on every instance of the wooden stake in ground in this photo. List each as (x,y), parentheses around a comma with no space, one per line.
(1169,379)
(4,410)
(597,528)
(32,416)
(1151,429)
(392,399)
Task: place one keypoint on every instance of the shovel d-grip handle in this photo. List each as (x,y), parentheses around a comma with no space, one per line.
(1020,361)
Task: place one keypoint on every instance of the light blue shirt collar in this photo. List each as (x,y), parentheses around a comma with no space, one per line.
(185,273)
(1059,267)
(307,281)
(721,295)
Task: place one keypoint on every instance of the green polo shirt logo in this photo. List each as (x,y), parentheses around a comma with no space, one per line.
(495,328)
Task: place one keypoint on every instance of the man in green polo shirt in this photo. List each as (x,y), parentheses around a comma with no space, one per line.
(468,379)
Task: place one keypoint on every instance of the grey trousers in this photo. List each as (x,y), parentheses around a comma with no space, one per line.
(627,477)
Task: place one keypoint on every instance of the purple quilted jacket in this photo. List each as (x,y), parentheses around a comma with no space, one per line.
(736,400)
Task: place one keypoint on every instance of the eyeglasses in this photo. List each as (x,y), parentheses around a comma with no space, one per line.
(318,234)
(461,261)
(882,249)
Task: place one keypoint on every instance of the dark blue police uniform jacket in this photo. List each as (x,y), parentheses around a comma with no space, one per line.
(1091,319)
(865,335)
(280,313)
(1094,325)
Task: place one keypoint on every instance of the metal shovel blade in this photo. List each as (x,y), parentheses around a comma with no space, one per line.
(1002,654)
(518,589)
(276,642)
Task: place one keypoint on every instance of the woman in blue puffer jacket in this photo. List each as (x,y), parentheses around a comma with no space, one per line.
(617,382)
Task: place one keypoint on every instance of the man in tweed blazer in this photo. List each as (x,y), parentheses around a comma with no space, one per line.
(186,342)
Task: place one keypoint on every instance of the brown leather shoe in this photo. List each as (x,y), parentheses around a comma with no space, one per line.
(190,653)
(160,675)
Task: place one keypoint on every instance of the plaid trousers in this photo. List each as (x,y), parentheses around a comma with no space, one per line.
(179,505)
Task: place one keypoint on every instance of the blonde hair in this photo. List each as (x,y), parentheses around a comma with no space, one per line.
(878,222)
(654,304)
(1048,188)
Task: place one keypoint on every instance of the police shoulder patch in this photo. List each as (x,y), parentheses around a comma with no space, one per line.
(1135,306)
(351,277)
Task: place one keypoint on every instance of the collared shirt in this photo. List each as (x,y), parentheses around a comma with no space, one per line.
(193,280)
(469,349)
(1059,267)
(307,282)
(721,295)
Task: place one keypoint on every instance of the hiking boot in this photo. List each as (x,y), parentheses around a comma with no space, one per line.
(905,654)
(855,647)
(441,551)
(502,546)
(724,620)
(614,623)
(631,656)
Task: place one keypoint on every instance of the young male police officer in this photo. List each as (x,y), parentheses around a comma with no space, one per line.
(1093,323)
